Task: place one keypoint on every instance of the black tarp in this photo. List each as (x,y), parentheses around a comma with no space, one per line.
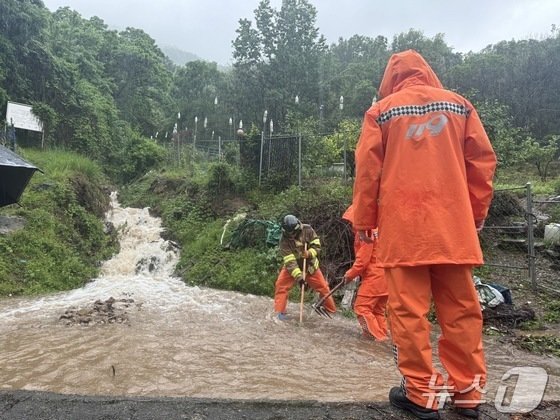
(15,174)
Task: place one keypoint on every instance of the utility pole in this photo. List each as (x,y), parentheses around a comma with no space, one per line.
(271,130)
(179,138)
(262,145)
(299,141)
(194,138)
(341,107)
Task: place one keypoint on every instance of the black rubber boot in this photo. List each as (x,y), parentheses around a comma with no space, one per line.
(399,400)
(471,413)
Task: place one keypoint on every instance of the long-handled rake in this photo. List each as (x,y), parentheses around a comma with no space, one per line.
(303,286)
(318,306)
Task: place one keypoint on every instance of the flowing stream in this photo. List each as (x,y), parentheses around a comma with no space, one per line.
(176,340)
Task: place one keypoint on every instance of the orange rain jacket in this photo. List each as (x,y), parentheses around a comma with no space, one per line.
(373,277)
(424,169)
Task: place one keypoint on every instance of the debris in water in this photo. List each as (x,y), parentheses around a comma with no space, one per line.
(110,311)
(147,265)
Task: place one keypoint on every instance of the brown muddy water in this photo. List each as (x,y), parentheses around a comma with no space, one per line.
(178,340)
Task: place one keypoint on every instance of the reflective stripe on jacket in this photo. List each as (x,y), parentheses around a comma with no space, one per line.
(424,169)
(291,251)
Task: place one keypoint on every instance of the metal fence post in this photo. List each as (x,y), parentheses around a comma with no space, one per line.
(531,237)
(261,157)
(345,159)
(299,160)
(262,145)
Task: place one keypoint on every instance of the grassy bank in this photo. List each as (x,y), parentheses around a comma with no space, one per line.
(63,240)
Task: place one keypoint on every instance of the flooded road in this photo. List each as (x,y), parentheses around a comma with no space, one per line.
(178,340)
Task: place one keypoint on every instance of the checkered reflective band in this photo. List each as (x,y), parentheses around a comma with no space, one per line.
(395,350)
(442,106)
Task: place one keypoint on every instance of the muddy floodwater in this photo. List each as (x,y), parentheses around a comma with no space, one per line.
(138,331)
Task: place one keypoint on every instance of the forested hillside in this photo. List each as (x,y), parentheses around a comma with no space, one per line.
(105,93)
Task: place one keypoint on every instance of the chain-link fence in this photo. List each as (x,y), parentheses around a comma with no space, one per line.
(280,160)
(273,159)
(183,150)
(521,240)
(508,238)
(547,215)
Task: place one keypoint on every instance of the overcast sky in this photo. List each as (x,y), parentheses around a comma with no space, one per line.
(207,27)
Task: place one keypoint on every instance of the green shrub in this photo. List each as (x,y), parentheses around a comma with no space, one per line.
(190,215)
(556,186)
(220,179)
(63,239)
(137,157)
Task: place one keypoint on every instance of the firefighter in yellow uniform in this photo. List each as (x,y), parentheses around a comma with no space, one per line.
(295,237)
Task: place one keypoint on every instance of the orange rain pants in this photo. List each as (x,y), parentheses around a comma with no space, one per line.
(371,300)
(370,311)
(285,282)
(460,345)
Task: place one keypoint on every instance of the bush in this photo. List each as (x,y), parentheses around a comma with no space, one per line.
(138,156)
(189,213)
(220,179)
(63,239)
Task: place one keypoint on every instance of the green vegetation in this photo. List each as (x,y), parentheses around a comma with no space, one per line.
(115,107)
(194,211)
(63,239)
(541,334)
(107,93)
(541,344)
(552,314)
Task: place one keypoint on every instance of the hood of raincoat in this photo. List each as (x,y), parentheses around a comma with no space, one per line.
(406,69)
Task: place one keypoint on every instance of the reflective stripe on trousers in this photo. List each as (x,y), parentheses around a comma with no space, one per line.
(460,345)
(285,282)
(371,315)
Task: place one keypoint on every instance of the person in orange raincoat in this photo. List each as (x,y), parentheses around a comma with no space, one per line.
(371,300)
(296,237)
(424,171)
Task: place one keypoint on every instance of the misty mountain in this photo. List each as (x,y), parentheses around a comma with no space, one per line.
(178,56)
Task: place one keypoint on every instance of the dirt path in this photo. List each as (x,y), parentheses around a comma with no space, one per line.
(19,405)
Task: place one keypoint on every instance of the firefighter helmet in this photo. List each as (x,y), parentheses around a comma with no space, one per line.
(290,224)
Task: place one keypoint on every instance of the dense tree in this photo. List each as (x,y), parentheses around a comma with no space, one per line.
(79,92)
(88,84)
(435,50)
(506,138)
(200,90)
(353,70)
(522,74)
(22,55)
(137,67)
(278,60)
(104,92)
(542,154)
